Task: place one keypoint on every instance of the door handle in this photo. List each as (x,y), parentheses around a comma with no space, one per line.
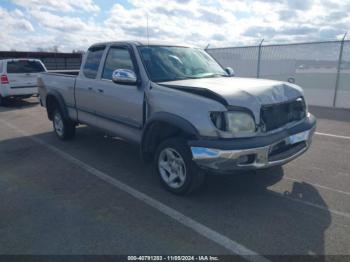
(100,90)
(90,88)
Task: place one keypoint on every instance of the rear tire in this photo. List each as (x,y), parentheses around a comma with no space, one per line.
(2,101)
(63,128)
(176,170)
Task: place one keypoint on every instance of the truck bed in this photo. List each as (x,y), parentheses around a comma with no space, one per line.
(63,72)
(62,81)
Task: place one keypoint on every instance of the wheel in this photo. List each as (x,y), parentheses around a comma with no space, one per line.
(64,128)
(176,170)
(2,101)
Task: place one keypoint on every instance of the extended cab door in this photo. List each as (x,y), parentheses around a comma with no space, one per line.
(119,106)
(86,86)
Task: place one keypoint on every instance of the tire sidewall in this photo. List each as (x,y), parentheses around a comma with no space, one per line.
(181,148)
(62,137)
(2,101)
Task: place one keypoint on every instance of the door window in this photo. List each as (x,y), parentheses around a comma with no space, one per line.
(117,58)
(93,61)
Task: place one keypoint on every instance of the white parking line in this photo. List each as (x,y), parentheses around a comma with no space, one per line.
(336,212)
(331,135)
(314,168)
(196,226)
(318,185)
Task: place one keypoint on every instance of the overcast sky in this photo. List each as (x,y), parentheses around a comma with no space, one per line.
(75,24)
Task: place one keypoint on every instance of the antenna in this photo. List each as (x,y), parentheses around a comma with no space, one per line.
(147,32)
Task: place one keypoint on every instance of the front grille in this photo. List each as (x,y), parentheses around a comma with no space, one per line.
(277,115)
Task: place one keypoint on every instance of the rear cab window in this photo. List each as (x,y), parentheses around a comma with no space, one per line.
(24,67)
(93,61)
(1,67)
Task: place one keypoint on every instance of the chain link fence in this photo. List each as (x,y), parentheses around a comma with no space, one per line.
(321,68)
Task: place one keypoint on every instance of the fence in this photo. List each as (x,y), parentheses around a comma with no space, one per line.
(52,61)
(321,68)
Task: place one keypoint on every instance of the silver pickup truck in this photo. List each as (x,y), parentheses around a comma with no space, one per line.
(187,114)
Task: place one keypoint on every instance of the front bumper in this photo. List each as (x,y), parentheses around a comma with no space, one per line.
(256,152)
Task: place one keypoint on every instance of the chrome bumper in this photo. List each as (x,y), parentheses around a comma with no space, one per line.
(277,153)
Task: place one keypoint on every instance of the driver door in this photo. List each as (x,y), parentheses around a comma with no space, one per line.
(119,106)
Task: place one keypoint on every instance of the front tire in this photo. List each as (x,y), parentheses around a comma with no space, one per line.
(175,168)
(63,128)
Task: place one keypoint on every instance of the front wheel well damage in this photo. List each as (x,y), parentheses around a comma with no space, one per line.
(156,133)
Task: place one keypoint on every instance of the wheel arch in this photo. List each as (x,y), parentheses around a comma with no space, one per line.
(53,100)
(163,125)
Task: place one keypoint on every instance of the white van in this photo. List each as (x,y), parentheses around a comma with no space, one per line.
(19,78)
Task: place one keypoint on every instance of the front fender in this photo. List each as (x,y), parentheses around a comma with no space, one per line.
(148,134)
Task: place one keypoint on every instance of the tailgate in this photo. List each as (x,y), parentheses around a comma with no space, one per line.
(23,73)
(26,80)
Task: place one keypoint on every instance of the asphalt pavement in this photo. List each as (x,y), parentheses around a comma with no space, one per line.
(93,195)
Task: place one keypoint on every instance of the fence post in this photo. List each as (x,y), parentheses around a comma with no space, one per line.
(259,59)
(338,70)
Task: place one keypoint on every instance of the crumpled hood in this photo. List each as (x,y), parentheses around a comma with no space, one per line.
(243,92)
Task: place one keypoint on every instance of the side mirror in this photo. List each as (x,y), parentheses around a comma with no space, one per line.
(124,76)
(230,71)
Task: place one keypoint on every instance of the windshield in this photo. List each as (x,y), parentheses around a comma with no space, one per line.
(167,63)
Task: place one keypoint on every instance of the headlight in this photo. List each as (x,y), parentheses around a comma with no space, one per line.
(233,121)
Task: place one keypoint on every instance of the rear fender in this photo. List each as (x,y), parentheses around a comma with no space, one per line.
(53,99)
